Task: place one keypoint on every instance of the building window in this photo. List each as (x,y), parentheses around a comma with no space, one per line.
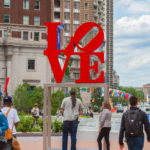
(76,5)
(6,18)
(76,16)
(76,75)
(26,20)
(57,3)
(67,15)
(6,3)
(86,16)
(85,5)
(26,4)
(37,20)
(25,36)
(36,36)
(5,35)
(31,64)
(36,5)
(75,26)
(66,40)
(67,27)
(57,15)
(67,4)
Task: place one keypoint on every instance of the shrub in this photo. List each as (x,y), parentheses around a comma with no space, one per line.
(41,123)
(57,126)
(26,124)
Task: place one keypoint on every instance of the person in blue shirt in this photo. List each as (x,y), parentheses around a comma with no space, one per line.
(3,128)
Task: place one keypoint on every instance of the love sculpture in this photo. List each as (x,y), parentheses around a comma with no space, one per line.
(52,52)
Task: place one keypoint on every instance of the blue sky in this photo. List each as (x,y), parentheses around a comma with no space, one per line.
(132,41)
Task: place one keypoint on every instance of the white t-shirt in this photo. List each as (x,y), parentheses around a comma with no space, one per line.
(12,117)
(69,113)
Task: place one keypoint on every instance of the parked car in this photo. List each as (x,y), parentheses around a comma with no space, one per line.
(120,109)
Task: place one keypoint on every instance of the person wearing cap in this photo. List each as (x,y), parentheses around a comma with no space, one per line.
(71,108)
(12,118)
(35,113)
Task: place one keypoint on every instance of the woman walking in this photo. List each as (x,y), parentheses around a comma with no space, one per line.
(3,128)
(105,125)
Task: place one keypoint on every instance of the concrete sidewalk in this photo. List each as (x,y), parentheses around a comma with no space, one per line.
(85,141)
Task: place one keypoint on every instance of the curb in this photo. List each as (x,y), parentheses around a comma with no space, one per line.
(25,134)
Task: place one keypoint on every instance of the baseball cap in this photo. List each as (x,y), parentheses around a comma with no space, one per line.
(7,99)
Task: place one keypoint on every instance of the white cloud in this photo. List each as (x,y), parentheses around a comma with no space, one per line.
(132,50)
(128,26)
(133,6)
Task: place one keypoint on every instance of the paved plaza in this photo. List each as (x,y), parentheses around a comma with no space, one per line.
(86,141)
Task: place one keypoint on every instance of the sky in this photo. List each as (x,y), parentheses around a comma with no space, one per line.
(132,41)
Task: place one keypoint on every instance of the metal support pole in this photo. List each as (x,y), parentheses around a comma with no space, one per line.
(45,119)
(49,118)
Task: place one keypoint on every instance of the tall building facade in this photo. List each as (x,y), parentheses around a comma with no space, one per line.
(109,43)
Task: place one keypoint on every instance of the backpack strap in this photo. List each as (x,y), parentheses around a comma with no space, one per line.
(8,111)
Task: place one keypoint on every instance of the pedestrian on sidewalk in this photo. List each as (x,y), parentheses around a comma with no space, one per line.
(132,125)
(90,112)
(35,113)
(105,125)
(71,108)
(12,117)
(3,128)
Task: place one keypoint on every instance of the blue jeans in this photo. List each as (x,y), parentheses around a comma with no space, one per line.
(69,127)
(135,143)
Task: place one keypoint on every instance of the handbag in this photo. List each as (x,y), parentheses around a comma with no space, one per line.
(8,133)
(15,144)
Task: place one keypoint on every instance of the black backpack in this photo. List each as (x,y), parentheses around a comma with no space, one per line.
(133,123)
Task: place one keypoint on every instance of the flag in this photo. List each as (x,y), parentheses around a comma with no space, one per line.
(119,93)
(59,28)
(113,93)
(116,94)
(102,91)
(110,92)
(126,96)
(122,95)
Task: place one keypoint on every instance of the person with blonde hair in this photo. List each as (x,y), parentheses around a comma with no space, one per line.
(105,125)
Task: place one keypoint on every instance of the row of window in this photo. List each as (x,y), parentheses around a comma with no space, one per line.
(31,67)
(67,27)
(25,19)
(25,4)
(25,35)
(67,4)
(76,16)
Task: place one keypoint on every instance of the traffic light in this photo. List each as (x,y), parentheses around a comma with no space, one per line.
(93,89)
(93,100)
(139,98)
(88,90)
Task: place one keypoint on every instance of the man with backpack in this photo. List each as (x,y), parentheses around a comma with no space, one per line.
(13,119)
(132,125)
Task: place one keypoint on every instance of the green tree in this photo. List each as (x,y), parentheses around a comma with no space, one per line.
(21,98)
(57,98)
(37,96)
(98,98)
(24,98)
